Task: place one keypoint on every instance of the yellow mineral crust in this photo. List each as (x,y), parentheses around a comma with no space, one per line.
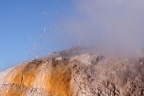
(82,75)
(51,76)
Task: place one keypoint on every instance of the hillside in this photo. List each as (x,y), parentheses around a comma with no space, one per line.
(74,74)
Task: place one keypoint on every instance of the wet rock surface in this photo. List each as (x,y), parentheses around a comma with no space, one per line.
(78,75)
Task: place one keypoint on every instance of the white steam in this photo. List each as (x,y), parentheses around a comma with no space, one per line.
(111,26)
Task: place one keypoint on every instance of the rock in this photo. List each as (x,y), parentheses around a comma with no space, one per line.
(79,75)
(87,59)
(4,73)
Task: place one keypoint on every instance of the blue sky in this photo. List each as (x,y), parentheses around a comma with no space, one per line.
(34,28)
(27,24)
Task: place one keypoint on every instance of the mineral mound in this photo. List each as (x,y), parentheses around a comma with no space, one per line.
(69,73)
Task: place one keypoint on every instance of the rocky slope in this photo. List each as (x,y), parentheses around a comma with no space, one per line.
(73,74)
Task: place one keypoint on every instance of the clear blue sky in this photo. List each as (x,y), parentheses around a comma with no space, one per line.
(26,24)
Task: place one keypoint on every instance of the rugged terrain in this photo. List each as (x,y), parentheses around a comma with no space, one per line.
(75,73)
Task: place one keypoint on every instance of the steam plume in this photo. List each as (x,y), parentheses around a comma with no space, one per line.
(111,26)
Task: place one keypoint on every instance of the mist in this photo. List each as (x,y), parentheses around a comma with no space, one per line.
(112,27)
